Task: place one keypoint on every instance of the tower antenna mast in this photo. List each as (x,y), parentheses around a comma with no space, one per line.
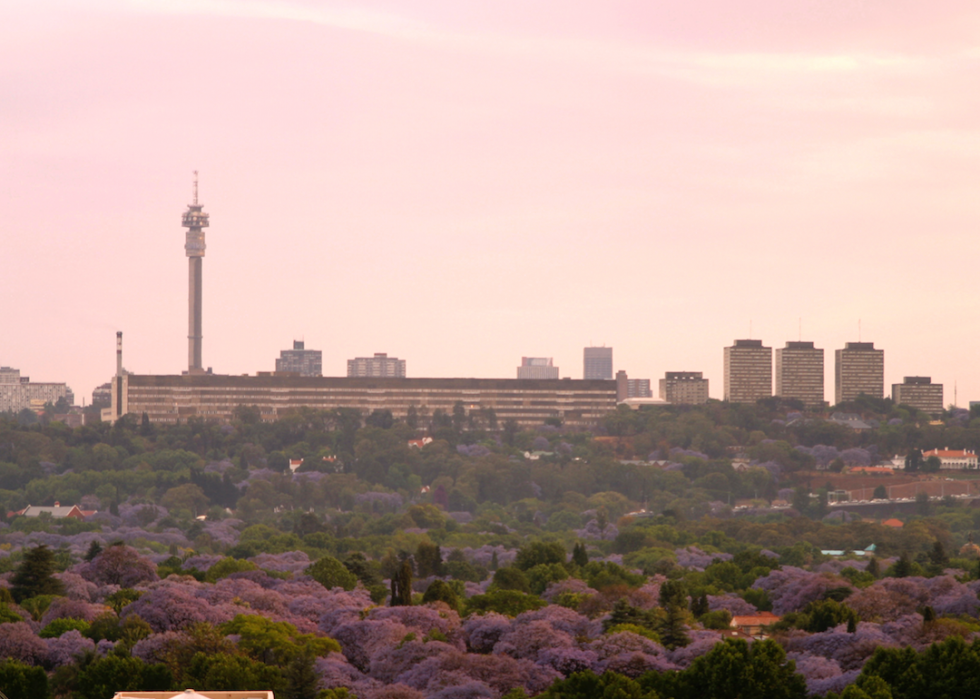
(195,221)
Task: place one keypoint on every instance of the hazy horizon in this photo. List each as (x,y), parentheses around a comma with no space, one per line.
(463,184)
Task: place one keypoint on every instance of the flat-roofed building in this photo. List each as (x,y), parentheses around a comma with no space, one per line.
(799,373)
(627,388)
(537,368)
(299,360)
(920,393)
(169,399)
(638,388)
(19,392)
(748,371)
(684,387)
(859,368)
(598,363)
(380,366)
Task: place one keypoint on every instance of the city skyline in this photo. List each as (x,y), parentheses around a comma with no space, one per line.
(804,166)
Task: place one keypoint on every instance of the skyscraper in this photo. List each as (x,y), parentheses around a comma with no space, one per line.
(537,368)
(195,220)
(859,368)
(799,373)
(748,371)
(305,362)
(598,363)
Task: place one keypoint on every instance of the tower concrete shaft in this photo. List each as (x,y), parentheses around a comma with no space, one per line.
(195,221)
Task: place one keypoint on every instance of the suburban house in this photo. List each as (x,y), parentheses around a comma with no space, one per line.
(752,625)
(57,511)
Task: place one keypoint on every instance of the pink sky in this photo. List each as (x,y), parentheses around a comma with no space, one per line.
(460,184)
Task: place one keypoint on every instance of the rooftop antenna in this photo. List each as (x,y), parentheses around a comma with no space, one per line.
(195,188)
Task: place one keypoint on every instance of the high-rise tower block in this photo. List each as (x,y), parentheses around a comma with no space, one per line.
(195,221)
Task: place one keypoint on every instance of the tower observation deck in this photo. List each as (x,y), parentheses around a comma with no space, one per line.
(195,221)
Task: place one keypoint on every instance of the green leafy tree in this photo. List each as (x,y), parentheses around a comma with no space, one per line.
(625,615)
(19,681)
(506,602)
(579,555)
(35,575)
(867,688)
(542,575)
(950,668)
(441,591)
(733,669)
(588,685)
(826,614)
(368,572)
(275,642)
(510,578)
(331,573)
(223,671)
(226,566)
(120,598)
(428,560)
(60,626)
(103,677)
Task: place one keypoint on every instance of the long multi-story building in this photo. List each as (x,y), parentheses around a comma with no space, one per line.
(18,392)
(169,399)
(953,459)
(920,393)
(538,368)
(684,387)
(299,360)
(598,363)
(859,368)
(748,371)
(378,366)
(799,373)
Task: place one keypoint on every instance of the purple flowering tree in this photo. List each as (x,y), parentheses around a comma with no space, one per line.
(119,565)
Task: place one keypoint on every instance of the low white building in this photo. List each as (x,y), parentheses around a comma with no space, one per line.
(953,459)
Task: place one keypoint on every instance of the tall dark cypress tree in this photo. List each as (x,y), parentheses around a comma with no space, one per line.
(301,677)
(401,586)
(35,574)
(673,598)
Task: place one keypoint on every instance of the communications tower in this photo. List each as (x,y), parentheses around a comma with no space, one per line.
(195,221)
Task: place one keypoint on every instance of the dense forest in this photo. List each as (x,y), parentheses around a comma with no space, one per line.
(332,555)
